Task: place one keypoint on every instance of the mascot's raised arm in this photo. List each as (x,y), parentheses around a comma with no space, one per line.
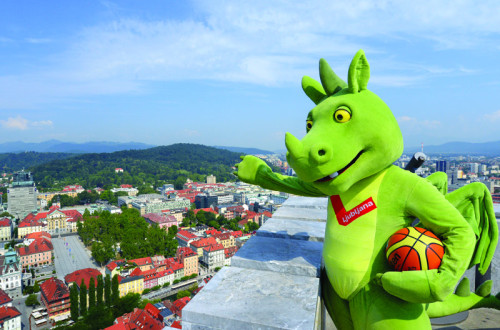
(347,154)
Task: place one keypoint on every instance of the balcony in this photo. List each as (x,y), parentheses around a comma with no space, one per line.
(273,281)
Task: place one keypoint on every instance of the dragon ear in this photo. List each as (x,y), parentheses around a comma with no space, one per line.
(330,81)
(313,89)
(359,72)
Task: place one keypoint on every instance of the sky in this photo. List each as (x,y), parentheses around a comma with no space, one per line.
(228,73)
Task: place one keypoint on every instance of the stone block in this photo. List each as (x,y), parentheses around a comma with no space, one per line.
(295,257)
(300,213)
(240,298)
(307,202)
(293,229)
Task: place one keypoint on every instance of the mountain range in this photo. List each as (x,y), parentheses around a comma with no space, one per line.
(460,148)
(71,147)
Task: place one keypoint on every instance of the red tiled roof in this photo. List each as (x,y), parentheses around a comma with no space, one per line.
(7,313)
(203,242)
(39,245)
(73,215)
(113,264)
(207,209)
(140,319)
(230,251)
(4,298)
(82,274)
(214,247)
(152,310)
(185,252)
(223,236)
(54,289)
(176,325)
(142,261)
(38,234)
(5,222)
(185,235)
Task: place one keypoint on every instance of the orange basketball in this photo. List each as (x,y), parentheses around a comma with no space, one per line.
(414,248)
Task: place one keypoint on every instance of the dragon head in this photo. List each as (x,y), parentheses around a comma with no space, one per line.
(351,133)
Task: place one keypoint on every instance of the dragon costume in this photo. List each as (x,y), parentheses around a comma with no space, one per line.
(347,154)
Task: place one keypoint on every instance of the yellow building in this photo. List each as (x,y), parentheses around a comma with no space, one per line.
(5,229)
(226,239)
(189,258)
(134,284)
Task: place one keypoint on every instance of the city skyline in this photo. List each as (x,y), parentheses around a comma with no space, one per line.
(226,73)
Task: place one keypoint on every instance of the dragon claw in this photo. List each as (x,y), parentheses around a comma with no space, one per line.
(484,289)
(463,288)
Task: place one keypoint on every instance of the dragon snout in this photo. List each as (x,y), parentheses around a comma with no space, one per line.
(320,154)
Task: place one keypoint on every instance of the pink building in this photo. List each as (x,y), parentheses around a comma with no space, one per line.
(39,252)
(160,219)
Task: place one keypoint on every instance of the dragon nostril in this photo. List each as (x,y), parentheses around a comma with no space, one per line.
(321,152)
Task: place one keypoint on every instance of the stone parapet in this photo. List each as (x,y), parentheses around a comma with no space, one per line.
(273,281)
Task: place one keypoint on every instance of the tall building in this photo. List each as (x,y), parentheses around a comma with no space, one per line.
(211,179)
(474,168)
(22,195)
(442,166)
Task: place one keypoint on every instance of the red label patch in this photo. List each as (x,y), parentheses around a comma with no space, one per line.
(346,217)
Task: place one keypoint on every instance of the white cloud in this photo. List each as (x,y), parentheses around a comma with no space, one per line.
(42,123)
(256,42)
(17,123)
(494,116)
(417,124)
(20,123)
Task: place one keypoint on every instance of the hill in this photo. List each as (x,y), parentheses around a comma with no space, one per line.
(153,166)
(248,151)
(10,162)
(71,147)
(461,148)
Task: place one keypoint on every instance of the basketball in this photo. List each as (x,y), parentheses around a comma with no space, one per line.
(414,248)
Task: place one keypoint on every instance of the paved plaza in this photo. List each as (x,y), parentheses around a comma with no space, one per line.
(71,255)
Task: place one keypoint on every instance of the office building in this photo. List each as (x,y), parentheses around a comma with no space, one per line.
(22,195)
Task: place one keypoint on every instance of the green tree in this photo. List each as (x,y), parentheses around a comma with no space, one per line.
(107,289)
(36,287)
(73,298)
(182,294)
(127,303)
(32,300)
(83,298)
(91,293)
(115,293)
(99,290)
(99,318)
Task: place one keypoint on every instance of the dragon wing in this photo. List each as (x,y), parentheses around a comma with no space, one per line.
(476,206)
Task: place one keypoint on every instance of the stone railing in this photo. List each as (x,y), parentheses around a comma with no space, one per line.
(273,281)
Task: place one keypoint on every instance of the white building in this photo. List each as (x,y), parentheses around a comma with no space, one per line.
(10,318)
(10,274)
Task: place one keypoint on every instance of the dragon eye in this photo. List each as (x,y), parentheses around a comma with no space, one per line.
(342,115)
(309,125)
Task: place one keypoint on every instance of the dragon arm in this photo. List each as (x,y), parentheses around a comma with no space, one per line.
(254,170)
(444,220)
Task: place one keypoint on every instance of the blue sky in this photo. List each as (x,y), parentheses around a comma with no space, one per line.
(228,72)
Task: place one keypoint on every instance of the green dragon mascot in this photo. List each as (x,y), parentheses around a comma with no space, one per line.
(347,154)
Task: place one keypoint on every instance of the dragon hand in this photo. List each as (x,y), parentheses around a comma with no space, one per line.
(248,168)
(422,286)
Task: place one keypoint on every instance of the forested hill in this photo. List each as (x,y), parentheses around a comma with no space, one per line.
(154,166)
(10,162)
